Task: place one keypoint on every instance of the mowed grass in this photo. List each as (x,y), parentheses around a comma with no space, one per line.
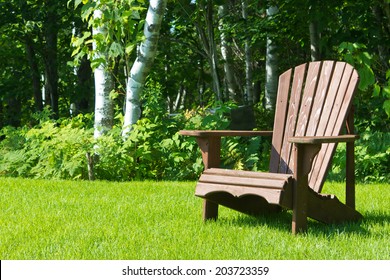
(69,220)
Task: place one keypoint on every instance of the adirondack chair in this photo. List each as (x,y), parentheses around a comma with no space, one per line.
(313,113)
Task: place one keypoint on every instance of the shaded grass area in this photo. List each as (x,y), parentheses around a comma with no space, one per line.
(162,220)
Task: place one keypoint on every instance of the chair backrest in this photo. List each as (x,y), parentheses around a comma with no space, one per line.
(313,99)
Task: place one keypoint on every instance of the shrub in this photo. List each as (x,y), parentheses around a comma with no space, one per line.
(372,158)
(154,149)
(49,150)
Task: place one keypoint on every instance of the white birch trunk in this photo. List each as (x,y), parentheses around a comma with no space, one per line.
(103,85)
(271,68)
(142,64)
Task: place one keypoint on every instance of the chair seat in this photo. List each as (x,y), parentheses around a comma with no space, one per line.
(234,185)
(258,193)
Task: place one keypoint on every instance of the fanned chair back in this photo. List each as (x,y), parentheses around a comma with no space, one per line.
(313,99)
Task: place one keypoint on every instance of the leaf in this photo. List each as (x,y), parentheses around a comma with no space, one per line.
(386,91)
(377,90)
(115,50)
(75,51)
(367,77)
(130,47)
(97,62)
(386,106)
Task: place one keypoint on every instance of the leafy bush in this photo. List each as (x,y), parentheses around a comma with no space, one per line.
(154,149)
(49,150)
(372,159)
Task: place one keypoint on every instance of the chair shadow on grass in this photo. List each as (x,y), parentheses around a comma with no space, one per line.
(281,222)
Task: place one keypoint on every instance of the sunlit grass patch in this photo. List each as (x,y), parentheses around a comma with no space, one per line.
(162,220)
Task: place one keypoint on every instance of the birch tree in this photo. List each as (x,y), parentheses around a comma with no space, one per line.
(271,67)
(114,34)
(142,65)
(103,83)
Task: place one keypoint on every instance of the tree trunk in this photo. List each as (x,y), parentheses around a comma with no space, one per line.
(208,41)
(230,82)
(381,12)
(50,56)
(84,96)
(103,86)
(213,54)
(142,65)
(271,67)
(315,35)
(248,60)
(35,75)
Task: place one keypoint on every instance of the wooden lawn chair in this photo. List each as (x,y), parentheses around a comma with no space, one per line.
(314,107)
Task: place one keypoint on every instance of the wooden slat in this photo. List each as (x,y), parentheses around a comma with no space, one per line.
(271,195)
(242,181)
(221,133)
(334,126)
(292,115)
(322,139)
(305,108)
(280,119)
(308,98)
(320,98)
(251,174)
(331,103)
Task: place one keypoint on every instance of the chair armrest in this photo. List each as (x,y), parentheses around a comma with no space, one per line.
(322,139)
(221,133)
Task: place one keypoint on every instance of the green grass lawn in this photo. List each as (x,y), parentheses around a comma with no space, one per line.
(162,220)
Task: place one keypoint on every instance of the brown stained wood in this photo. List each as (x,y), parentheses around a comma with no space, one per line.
(313,103)
(327,111)
(322,139)
(248,204)
(222,133)
(280,119)
(335,125)
(320,98)
(243,181)
(211,150)
(300,192)
(204,189)
(210,210)
(308,98)
(292,115)
(350,164)
(243,173)
(328,209)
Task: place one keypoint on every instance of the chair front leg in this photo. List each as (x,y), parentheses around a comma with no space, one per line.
(211,151)
(303,158)
(211,156)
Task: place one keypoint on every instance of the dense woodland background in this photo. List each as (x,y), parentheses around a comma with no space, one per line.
(212,57)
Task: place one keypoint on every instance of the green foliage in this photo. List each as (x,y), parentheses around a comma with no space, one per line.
(372,159)
(49,150)
(119,31)
(373,96)
(357,55)
(154,150)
